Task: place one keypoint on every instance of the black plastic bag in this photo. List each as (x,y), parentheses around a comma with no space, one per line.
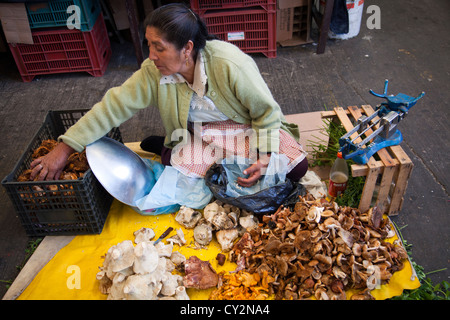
(339,17)
(264,202)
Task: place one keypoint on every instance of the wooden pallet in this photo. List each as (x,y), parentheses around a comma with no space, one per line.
(386,173)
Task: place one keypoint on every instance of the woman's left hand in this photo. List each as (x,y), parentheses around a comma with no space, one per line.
(254,172)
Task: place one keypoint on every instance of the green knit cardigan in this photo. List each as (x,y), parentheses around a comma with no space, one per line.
(234,84)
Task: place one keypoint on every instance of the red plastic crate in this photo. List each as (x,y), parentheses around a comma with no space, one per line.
(252,30)
(200,6)
(61,50)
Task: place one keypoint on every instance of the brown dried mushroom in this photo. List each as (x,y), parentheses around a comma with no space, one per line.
(320,250)
(75,168)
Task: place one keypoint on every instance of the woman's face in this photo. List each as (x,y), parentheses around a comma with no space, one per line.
(166,57)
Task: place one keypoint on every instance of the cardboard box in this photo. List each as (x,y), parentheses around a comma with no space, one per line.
(293,22)
(15,23)
(310,125)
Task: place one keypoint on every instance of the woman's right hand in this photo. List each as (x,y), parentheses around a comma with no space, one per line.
(254,171)
(50,166)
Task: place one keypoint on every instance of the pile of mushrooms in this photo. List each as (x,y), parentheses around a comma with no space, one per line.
(225,221)
(142,272)
(313,249)
(320,249)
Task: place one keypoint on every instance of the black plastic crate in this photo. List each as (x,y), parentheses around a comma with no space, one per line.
(60,207)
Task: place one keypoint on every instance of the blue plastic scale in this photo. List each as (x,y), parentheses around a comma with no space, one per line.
(389,114)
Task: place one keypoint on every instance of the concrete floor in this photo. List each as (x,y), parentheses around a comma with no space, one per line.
(412,50)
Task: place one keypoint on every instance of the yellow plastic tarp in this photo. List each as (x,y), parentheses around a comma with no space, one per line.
(71,274)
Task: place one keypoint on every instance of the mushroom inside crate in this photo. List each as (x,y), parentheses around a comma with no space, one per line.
(75,168)
(319,249)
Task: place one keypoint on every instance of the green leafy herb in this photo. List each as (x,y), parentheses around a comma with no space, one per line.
(324,153)
(352,195)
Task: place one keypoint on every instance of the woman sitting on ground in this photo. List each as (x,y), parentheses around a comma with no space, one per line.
(211,97)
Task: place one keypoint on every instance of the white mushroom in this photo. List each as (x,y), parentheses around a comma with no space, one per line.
(219,218)
(203,233)
(181,294)
(248,222)
(314,214)
(177,257)
(146,258)
(119,257)
(116,290)
(338,273)
(210,211)
(170,266)
(164,250)
(346,236)
(224,221)
(390,233)
(321,294)
(178,238)
(226,238)
(143,234)
(234,217)
(141,272)
(169,284)
(188,217)
(158,275)
(139,287)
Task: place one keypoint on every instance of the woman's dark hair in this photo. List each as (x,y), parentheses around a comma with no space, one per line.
(178,24)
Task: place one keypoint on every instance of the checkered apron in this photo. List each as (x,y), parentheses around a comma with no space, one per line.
(204,145)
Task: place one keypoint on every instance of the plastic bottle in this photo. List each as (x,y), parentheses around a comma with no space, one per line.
(338,177)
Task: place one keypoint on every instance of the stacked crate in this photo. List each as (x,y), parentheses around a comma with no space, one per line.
(386,173)
(57,46)
(249,24)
